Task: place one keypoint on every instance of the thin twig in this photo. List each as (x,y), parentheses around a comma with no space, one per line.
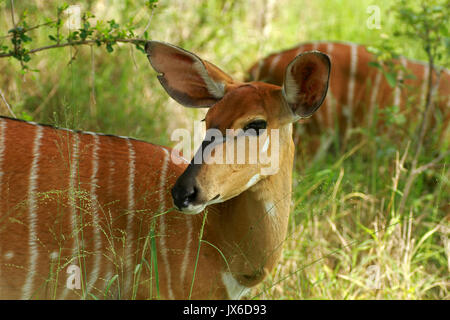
(149,21)
(12,13)
(46,100)
(7,105)
(93,101)
(75,43)
(29,29)
(430,164)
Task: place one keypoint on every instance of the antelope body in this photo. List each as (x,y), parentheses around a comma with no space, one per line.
(131,219)
(357,89)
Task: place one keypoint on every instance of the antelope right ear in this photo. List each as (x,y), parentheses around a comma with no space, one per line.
(306,82)
(188,79)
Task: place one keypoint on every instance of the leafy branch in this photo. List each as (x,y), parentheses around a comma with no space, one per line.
(107,33)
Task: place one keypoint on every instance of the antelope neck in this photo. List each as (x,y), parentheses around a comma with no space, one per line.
(250,228)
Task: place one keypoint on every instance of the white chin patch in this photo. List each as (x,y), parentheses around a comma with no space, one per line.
(197,208)
(253,180)
(193,209)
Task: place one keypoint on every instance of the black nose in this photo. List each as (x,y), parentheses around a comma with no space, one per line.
(183,195)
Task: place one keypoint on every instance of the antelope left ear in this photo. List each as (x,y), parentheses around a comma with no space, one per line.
(306,82)
(188,79)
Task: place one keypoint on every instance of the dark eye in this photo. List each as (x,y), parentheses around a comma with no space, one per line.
(255,127)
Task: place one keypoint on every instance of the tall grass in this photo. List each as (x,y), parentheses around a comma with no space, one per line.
(345,221)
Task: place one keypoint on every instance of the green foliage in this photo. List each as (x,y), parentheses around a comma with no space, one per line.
(427,21)
(107,33)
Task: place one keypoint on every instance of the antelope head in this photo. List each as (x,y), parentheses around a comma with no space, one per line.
(246,122)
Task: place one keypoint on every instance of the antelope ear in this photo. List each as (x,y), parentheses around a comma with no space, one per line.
(306,82)
(188,79)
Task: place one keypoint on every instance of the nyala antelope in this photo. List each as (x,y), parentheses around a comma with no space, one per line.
(127,220)
(358,91)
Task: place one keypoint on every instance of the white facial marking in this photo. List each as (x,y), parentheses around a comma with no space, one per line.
(235,290)
(194,208)
(265,146)
(253,180)
(9,255)
(269,208)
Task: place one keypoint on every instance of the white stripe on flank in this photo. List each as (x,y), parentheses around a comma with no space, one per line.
(130,213)
(187,249)
(2,150)
(112,170)
(95,220)
(257,72)
(373,96)
(131,177)
(274,63)
(27,290)
(351,84)
(74,157)
(110,261)
(162,208)
(423,89)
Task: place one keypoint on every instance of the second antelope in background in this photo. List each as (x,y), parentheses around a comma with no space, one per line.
(357,90)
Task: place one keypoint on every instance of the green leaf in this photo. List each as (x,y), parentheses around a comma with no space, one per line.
(137,268)
(109,47)
(391,78)
(26,116)
(375,65)
(140,48)
(93,296)
(110,282)
(154,259)
(26,57)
